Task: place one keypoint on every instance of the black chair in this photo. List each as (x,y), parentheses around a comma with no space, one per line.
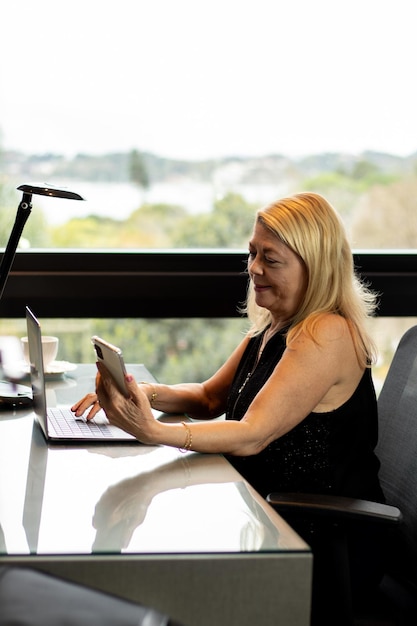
(32,598)
(387,533)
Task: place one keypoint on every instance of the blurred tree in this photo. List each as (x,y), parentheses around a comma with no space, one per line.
(87,232)
(229,225)
(163,226)
(364,169)
(153,225)
(138,173)
(343,188)
(386,216)
(175,350)
(150,226)
(369,174)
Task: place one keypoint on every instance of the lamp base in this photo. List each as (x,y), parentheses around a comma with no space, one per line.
(13,396)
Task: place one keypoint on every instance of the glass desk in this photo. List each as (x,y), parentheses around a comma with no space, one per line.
(182,532)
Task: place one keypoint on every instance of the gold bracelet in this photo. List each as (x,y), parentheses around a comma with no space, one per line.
(154,394)
(188,438)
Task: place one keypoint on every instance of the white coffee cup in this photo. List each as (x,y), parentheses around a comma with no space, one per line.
(49,349)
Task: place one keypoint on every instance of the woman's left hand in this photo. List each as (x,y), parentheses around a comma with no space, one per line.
(133,414)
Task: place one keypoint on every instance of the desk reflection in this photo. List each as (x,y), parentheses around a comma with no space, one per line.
(123,507)
(139,511)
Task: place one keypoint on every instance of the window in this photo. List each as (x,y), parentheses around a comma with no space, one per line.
(176,119)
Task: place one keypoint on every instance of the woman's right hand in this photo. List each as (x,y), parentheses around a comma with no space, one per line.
(89,401)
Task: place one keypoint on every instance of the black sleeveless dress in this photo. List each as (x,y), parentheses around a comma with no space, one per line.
(325,453)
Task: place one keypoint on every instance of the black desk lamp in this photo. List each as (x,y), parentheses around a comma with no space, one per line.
(12,395)
(23,212)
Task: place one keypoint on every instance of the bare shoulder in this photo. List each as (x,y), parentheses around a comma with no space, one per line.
(328,330)
(326,354)
(332,327)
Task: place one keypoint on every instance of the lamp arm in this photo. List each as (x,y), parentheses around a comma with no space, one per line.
(23,212)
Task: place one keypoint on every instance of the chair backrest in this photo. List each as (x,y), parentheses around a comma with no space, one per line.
(397,449)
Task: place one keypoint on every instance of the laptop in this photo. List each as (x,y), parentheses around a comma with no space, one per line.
(59,424)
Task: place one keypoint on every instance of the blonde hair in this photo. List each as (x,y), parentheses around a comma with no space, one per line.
(311,228)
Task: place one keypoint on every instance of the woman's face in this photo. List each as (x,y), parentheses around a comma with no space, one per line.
(279,276)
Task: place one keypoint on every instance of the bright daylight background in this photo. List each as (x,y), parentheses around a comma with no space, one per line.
(194,79)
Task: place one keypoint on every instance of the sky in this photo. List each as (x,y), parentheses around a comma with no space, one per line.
(195,79)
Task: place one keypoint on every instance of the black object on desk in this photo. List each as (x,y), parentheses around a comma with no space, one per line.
(13,396)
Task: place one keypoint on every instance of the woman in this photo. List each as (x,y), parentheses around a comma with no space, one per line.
(297,391)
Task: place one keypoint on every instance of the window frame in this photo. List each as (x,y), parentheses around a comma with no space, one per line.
(171,283)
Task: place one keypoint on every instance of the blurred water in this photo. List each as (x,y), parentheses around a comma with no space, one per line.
(119,200)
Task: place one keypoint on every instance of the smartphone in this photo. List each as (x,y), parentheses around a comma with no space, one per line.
(112,358)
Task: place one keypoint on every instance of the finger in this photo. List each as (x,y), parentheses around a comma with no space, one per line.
(93,412)
(105,380)
(132,386)
(82,405)
(102,369)
(76,406)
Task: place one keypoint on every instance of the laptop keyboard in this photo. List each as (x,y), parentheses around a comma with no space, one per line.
(62,423)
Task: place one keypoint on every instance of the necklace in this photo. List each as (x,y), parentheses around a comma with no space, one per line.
(254,358)
(267,336)
(261,348)
(260,351)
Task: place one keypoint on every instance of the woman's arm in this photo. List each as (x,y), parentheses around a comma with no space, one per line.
(311,374)
(200,400)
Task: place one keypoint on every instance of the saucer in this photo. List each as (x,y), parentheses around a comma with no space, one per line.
(55,370)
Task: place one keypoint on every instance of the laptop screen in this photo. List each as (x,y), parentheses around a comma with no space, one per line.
(36,367)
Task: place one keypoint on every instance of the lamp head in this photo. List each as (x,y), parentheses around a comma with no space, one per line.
(23,212)
(44,189)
